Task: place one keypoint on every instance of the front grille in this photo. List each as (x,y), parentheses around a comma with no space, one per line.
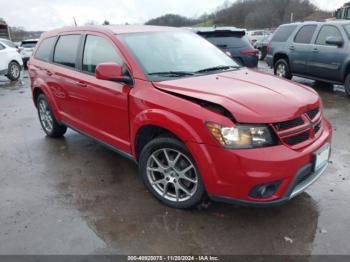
(317,127)
(313,113)
(293,140)
(289,124)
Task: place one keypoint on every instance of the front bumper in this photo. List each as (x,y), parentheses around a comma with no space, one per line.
(229,175)
(294,189)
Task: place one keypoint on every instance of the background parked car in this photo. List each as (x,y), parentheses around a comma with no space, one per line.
(233,41)
(10,60)
(261,45)
(258,35)
(27,47)
(315,50)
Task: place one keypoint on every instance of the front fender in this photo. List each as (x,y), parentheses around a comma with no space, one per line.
(166,120)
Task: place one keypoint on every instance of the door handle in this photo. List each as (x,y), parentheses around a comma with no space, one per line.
(48,72)
(81,84)
(315,50)
(292,48)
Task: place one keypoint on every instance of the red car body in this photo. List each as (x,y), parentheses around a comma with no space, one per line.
(88,104)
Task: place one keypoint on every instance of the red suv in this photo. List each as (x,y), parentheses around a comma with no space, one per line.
(196,123)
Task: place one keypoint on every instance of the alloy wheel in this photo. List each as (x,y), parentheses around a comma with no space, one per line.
(281,70)
(45,115)
(172,174)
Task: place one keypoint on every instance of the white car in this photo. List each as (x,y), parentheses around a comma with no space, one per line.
(11,62)
(257,35)
(27,47)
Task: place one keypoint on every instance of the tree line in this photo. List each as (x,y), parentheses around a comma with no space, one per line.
(250,14)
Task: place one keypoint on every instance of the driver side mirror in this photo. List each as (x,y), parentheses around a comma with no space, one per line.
(112,72)
(334,41)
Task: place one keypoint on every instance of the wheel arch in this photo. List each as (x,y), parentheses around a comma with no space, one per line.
(154,123)
(41,88)
(279,56)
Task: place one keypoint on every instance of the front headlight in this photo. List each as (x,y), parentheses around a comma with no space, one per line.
(242,136)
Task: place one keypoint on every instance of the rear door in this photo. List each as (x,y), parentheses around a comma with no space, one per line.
(326,60)
(300,49)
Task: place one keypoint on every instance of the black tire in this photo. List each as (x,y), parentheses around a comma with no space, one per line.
(14,71)
(347,85)
(174,146)
(54,129)
(279,66)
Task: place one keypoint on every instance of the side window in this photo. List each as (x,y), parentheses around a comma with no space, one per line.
(283,32)
(44,50)
(66,50)
(305,34)
(327,31)
(98,50)
(1,47)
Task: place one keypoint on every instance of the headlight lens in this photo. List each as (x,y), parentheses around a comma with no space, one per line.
(242,136)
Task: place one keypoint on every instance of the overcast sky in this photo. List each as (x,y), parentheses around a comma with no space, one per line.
(49,14)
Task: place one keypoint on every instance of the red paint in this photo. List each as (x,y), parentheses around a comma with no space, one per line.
(114,113)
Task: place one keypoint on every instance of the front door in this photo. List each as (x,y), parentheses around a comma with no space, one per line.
(104,109)
(326,60)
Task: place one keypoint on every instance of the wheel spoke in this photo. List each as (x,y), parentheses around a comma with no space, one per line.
(165,190)
(184,177)
(157,162)
(167,157)
(177,193)
(159,181)
(153,169)
(184,189)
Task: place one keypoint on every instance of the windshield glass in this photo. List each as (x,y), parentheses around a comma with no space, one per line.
(181,52)
(8,43)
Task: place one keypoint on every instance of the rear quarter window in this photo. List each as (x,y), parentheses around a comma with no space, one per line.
(283,33)
(44,50)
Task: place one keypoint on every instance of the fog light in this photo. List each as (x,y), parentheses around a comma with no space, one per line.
(264,190)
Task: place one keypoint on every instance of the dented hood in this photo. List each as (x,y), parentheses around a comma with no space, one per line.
(251,96)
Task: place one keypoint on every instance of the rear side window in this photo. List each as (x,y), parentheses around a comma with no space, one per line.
(283,32)
(98,50)
(44,50)
(305,34)
(66,50)
(227,39)
(347,29)
(1,47)
(327,31)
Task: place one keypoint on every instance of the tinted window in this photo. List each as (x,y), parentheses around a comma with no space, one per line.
(1,47)
(327,31)
(227,39)
(98,50)
(283,32)
(305,34)
(66,50)
(28,44)
(45,48)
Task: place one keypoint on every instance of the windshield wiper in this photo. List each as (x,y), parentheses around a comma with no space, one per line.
(172,73)
(216,68)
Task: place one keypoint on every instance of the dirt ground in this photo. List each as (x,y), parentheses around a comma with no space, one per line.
(74,196)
